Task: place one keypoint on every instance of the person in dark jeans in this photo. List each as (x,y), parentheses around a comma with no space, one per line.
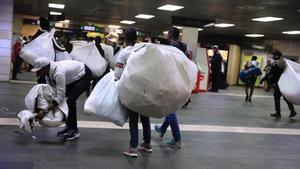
(171,120)
(130,40)
(273,77)
(70,79)
(251,79)
(216,65)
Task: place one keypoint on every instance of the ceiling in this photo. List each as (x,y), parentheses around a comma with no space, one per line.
(238,12)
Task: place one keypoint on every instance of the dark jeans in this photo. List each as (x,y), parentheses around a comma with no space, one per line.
(277,95)
(16,67)
(134,130)
(73,91)
(171,120)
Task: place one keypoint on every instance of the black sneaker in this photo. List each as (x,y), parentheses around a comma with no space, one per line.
(63,132)
(145,147)
(246,99)
(293,114)
(277,115)
(131,152)
(72,134)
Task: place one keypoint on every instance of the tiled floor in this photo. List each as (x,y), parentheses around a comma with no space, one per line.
(203,148)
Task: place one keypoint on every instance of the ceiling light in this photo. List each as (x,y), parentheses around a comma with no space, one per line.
(254,35)
(127,22)
(55,13)
(267,19)
(209,25)
(224,25)
(200,29)
(169,7)
(166,32)
(65,21)
(59,6)
(144,16)
(114,26)
(178,27)
(291,32)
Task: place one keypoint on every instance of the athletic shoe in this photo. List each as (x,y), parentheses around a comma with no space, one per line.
(157,129)
(145,147)
(277,115)
(63,132)
(131,152)
(293,114)
(72,134)
(174,144)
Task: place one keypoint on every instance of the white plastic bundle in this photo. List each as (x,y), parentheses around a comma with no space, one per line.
(157,80)
(289,82)
(90,56)
(109,55)
(104,101)
(42,46)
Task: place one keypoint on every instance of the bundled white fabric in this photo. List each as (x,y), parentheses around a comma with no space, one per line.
(26,120)
(289,82)
(104,101)
(78,43)
(157,80)
(42,95)
(42,46)
(59,55)
(109,55)
(90,56)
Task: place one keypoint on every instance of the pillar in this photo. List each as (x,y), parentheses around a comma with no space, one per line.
(6,26)
(233,64)
(190,37)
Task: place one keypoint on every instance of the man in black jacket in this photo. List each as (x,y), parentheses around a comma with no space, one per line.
(216,65)
(273,77)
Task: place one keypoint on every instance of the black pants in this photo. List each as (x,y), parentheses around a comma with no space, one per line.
(16,67)
(277,95)
(215,78)
(134,130)
(73,91)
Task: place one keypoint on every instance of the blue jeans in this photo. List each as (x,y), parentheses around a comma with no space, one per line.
(171,120)
(134,130)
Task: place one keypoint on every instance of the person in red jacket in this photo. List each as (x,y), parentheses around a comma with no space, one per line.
(15,58)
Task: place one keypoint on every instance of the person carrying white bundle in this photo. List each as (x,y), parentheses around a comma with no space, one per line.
(70,79)
(273,77)
(130,40)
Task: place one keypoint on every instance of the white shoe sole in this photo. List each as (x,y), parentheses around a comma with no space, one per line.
(130,155)
(72,138)
(144,149)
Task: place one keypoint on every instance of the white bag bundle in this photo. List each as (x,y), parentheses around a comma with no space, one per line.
(289,82)
(109,55)
(42,95)
(157,80)
(42,46)
(104,101)
(62,55)
(90,56)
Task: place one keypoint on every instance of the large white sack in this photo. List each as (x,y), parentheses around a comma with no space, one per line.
(104,101)
(42,46)
(157,80)
(289,82)
(109,55)
(90,56)
(43,95)
(62,55)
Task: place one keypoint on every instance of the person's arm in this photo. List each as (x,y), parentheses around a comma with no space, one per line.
(120,65)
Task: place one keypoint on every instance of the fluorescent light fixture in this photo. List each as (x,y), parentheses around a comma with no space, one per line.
(58,6)
(291,32)
(127,22)
(169,7)
(178,27)
(55,13)
(166,32)
(267,19)
(200,29)
(209,25)
(224,25)
(65,21)
(114,26)
(144,16)
(254,35)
